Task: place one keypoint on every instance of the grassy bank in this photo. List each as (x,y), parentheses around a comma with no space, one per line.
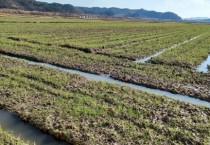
(7,138)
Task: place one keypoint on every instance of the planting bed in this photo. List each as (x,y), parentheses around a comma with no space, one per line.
(175,79)
(87,112)
(130,40)
(189,55)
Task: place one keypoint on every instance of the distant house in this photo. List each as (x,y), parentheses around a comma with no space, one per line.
(88,17)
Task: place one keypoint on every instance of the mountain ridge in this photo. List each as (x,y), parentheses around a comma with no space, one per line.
(33,5)
(133,13)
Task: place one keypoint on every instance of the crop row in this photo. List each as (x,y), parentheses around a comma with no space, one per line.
(171,78)
(87,112)
(133,40)
(125,48)
(149,47)
(121,42)
(188,55)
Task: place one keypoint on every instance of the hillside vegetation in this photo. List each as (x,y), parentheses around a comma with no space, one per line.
(32,5)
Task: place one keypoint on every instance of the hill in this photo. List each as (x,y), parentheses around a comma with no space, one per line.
(141,13)
(33,5)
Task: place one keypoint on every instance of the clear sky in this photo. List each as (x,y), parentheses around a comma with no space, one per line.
(184,8)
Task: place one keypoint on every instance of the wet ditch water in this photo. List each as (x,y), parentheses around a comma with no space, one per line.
(204,66)
(27,132)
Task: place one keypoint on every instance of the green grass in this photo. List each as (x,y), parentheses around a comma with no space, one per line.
(89,112)
(190,55)
(62,41)
(132,40)
(172,78)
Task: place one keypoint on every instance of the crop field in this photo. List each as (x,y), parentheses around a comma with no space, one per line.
(87,112)
(30,41)
(80,111)
(188,55)
(129,40)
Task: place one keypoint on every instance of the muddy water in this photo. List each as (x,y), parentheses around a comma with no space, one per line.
(166,49)
(204,66)
(25,131)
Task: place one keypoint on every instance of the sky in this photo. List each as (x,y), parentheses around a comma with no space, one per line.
(184,8)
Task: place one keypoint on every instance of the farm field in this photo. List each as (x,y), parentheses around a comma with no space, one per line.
(88,112)
(129,40)
(187,55)
(80,111)
(45,42)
